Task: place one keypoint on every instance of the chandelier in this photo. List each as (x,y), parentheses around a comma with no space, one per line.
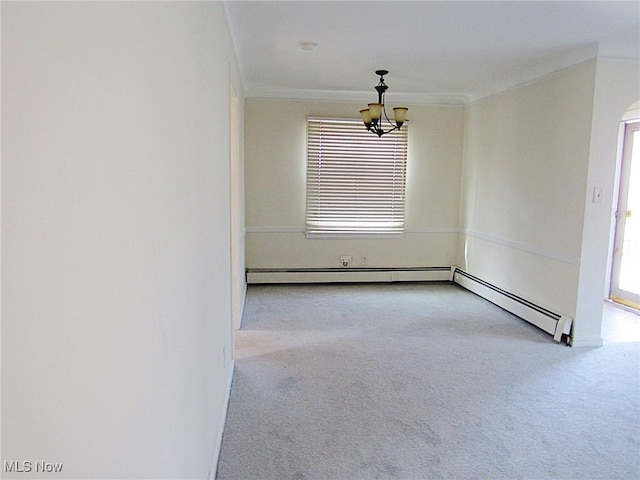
(372,116)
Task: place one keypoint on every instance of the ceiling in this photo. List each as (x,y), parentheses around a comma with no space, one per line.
(446,52)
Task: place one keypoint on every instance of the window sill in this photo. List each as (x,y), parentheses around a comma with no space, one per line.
(342,236)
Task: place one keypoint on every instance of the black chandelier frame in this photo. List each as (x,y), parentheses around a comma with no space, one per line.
(372,116)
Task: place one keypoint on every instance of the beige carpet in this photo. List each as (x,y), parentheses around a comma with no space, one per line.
(421,381)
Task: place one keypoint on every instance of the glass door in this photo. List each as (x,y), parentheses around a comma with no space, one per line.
(625,278)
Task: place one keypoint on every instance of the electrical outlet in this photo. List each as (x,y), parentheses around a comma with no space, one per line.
(345,260)
(364,260)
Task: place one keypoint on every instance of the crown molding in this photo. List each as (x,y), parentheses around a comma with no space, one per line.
(536,72)
(360,97)
(505,83)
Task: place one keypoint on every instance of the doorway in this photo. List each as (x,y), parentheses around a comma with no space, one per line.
(625,279)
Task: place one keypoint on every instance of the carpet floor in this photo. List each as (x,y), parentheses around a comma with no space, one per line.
(421,381)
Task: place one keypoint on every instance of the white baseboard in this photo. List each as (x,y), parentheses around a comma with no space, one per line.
(336,275)
(551,322)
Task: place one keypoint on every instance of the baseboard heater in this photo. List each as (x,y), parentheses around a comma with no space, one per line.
(360,274)
(554,323)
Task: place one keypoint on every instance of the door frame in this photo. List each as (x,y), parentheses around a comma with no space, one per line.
(623,164)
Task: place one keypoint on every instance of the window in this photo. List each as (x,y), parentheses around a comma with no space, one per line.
(355,180)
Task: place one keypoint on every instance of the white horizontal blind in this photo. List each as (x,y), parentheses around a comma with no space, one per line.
(355,179)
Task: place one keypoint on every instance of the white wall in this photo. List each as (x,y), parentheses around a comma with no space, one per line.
(275,163)
(524,177)
(116,313)
(616,89)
